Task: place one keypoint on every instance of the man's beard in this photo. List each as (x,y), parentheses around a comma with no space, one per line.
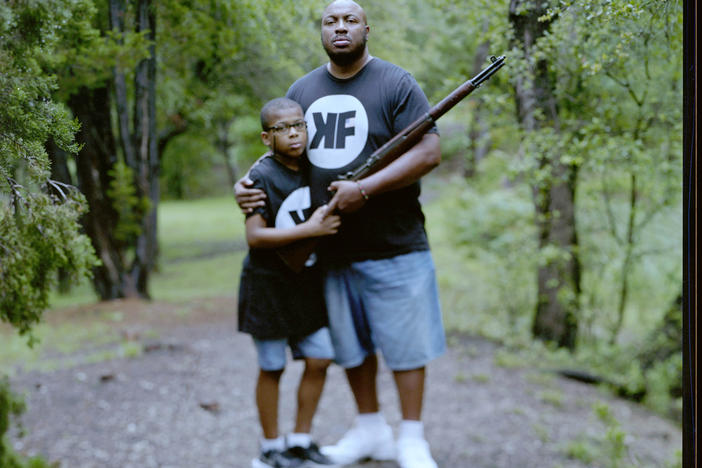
(347,56)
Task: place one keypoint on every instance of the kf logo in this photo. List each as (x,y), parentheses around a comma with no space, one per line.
(295,209)
(338,129)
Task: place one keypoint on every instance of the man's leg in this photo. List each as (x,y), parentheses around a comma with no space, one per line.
(363,385)
(370,436)
(410,387)
(401,299)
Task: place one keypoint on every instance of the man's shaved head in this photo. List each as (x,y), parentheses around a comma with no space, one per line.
(346,4)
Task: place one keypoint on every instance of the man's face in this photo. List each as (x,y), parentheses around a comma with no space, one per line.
(344,32)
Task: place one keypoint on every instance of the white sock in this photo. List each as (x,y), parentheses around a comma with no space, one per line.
(412,429)
(370,419)
(299,439)
(273,444)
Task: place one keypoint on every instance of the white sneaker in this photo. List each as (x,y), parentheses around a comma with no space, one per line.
(360,443)
(413,452)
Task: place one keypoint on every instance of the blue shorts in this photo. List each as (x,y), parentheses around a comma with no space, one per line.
(391,304)
(271,353)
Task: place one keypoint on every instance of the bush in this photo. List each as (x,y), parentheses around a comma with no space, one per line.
(12,405)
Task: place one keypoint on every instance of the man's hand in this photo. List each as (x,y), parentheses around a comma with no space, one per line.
(248,198)
(347,197)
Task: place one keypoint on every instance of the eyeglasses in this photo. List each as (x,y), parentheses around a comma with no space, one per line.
(284,128)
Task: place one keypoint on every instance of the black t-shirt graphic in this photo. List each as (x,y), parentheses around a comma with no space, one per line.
(347,120)
(275,302)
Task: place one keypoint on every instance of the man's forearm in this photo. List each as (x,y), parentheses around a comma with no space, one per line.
(406,169)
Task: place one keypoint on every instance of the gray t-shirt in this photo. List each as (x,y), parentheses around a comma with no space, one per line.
(347,120)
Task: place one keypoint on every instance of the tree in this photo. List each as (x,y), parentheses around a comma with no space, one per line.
(39,230)
(117,172)
(39,233)
(554,177)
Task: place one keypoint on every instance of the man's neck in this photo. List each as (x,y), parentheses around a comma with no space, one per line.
(348,71)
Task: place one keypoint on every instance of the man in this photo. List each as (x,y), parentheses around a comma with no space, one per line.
(381,288)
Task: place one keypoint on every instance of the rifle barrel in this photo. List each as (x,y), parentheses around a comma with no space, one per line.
(412,134)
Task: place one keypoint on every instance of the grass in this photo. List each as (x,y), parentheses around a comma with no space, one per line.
(486,286)
(202,247)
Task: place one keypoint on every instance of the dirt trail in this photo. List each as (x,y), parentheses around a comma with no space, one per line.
(186,401)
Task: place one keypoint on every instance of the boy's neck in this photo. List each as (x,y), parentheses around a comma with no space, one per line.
(287,161)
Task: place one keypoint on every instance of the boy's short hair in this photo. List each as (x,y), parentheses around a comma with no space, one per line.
(275,105)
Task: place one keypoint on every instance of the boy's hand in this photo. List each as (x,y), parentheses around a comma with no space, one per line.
(248,198)
(323,223)
(347,197)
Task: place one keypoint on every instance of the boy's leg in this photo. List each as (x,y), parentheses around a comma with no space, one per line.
(267,401)
(309,391)
(318,352)
(271,361)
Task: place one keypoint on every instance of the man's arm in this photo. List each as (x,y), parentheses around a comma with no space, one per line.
(403,171)
(248,198)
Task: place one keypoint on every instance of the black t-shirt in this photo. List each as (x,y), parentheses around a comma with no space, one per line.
(347,120)
(275,302)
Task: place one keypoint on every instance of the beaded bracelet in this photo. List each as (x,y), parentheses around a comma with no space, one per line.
(363,192)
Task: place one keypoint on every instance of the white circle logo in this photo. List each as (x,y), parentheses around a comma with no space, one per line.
(337,128)
(292,210)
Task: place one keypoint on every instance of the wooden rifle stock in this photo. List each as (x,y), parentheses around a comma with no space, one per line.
(295,255)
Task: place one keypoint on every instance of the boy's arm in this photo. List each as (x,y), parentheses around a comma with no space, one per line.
(260,236)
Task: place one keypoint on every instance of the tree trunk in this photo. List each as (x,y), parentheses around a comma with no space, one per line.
(479,132)
(558,279)
(223,148)
(146,164)
(93,164)
(117,14)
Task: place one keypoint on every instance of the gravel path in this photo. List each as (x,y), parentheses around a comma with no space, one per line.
(186,401)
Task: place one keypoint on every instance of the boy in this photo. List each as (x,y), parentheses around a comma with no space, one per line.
(277,306)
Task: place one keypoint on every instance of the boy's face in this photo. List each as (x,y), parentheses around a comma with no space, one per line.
(287,133)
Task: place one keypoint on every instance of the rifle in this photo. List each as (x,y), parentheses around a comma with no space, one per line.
(296,254)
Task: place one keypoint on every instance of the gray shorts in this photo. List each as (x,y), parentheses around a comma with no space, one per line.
(391,304)
(272,355)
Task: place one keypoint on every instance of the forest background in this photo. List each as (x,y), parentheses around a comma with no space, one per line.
(555,218)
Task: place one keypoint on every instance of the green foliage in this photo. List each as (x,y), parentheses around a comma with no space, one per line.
(12,405)
(245,133)
(129,206)
(608,449)
(615,440)
(38,217)
(483,238)
(190,169)
(39,236)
